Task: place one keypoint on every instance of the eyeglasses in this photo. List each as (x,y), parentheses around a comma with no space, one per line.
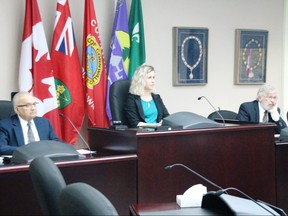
(272,97)
(28,105)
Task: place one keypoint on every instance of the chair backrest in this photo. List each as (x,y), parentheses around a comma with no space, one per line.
(117,99)
(48,183)
(6,109)
(83,199)
(226,114)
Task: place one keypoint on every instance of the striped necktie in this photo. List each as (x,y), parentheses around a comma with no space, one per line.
(31,137)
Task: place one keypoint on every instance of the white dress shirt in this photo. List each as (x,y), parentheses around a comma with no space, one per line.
(25,130)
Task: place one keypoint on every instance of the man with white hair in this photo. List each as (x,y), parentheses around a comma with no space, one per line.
(263,109)
(25,126)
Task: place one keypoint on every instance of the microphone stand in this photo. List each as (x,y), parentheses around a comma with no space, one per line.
(199,98)
(212,196)
(71,123)
(194,172)
(232,188)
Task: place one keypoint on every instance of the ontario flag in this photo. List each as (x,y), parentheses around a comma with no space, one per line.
(35,73)
(94,68)
(67,73)
(119,50)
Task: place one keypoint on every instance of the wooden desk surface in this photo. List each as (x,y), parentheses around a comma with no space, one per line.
(114,176)
(282,175)
(166,209)
(240,156)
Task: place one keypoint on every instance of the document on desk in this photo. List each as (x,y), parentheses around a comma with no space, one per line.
(85,151)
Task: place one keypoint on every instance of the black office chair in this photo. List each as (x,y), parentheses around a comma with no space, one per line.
(117,99)
(6,109)
(226,114)
(12,94)
(83,199)
(48,183)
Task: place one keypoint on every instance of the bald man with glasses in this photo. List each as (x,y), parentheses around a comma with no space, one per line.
(264,109)
(25,126)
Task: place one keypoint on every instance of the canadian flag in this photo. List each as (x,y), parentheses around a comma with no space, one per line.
(35,73)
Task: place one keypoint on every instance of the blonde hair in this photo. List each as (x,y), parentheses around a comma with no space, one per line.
(138,81)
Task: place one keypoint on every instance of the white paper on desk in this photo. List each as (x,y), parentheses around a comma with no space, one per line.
(84,151)
(5,156)
(192,197)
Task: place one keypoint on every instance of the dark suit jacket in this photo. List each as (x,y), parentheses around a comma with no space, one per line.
(11,135)
(134,112)
(249,112)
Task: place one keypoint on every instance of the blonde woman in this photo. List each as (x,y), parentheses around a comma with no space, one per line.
(144,108)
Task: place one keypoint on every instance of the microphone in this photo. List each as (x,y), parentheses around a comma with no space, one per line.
(220,191)
(71,123)
(199,98)
(257,203)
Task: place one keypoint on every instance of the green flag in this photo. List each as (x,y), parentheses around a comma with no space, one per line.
(136,30)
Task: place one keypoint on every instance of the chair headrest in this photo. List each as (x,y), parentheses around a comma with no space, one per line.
(117,98)
(284,134)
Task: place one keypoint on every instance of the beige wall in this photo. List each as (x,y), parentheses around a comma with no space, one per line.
(221,17)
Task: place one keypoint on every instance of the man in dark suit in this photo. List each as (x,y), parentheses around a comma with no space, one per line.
(263,109)
(25,126)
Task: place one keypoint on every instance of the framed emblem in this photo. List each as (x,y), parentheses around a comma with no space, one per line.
(190,56)
(250,56)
